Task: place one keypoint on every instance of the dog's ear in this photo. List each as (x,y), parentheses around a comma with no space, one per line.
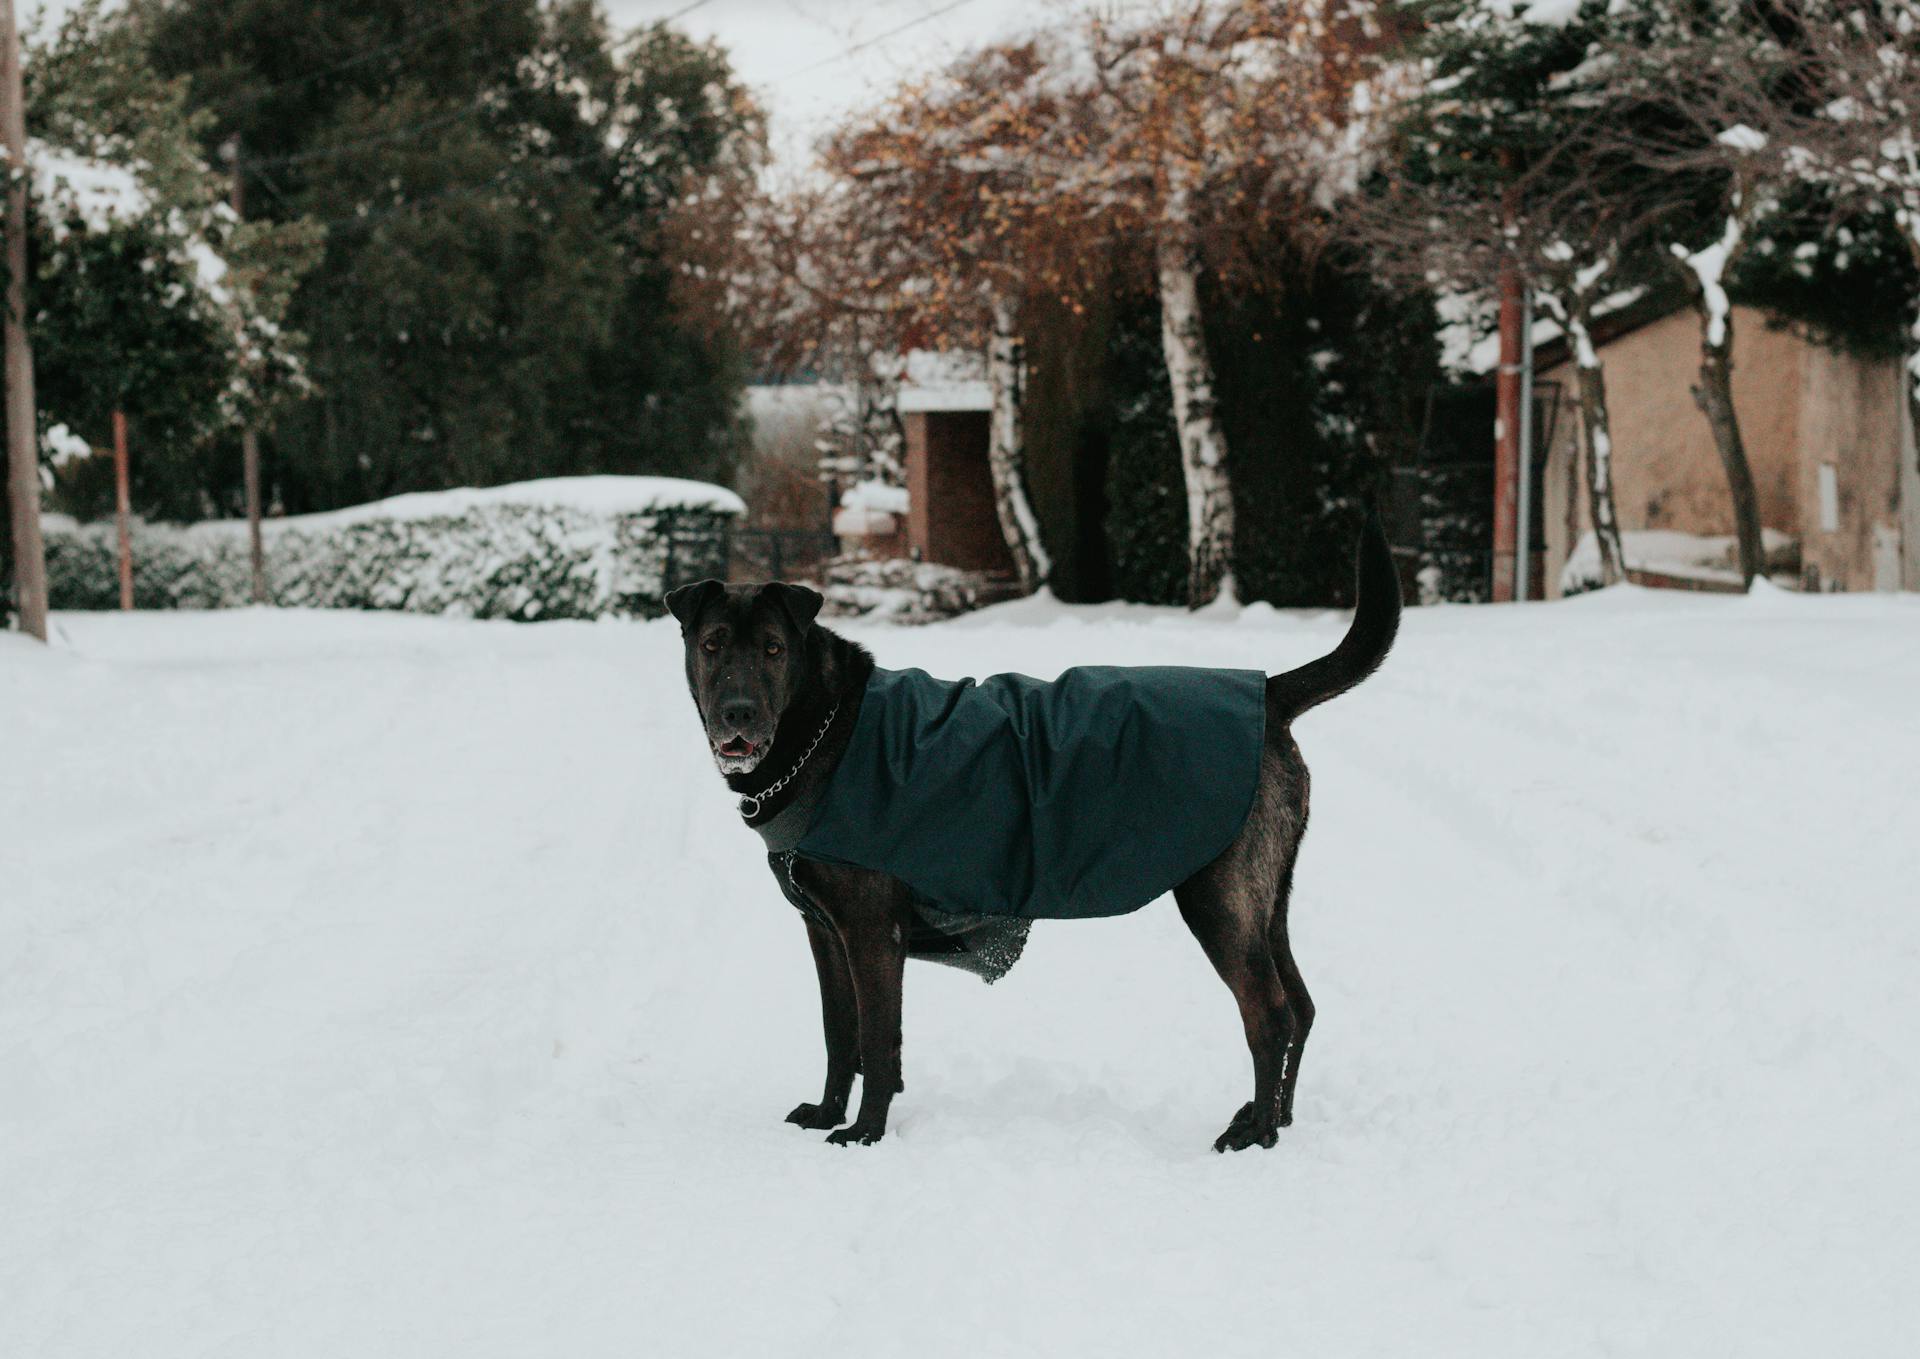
(687,602)
(802,605)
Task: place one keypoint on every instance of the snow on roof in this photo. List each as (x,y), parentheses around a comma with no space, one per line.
(1468,349)
(944,380)
(875,495)
(600,495)
(945,396)
(937,367)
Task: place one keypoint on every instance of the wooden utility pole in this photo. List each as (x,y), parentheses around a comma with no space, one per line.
(1507,399)
(123,508)
(23,435)
(249,441)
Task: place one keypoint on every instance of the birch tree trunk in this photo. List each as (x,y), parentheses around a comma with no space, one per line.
(1714,395)
(1203,448)
(1006,451)
(1591,378)
(1714,392)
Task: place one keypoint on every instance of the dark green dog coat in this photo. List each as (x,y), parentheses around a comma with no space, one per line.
(1012,797)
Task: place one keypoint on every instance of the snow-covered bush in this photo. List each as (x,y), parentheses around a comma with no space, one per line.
(897,589)
(583,547)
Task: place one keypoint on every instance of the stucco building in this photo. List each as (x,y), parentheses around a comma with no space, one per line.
(1829,435)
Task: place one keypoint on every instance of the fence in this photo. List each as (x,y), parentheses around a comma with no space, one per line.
(776,553)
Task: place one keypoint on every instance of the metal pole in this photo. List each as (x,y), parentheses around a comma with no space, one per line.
(249,441)
(123,508)
(1523,529)
(23,436)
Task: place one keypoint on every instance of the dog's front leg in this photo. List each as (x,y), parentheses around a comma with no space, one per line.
(877,955)
(840,1017)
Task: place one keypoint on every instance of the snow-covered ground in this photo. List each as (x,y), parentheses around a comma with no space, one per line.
(379,985)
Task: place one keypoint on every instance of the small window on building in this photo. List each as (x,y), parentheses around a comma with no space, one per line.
(1829,498)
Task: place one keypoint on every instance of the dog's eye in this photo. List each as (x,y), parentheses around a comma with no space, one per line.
(711,646)
(774,648)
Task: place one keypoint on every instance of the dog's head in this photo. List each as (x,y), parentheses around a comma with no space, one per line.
(746,661)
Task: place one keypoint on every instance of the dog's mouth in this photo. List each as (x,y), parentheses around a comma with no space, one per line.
(738,753)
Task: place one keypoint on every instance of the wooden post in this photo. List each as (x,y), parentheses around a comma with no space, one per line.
(1523,460)
(256,548)
(23,435)
(1506,440)
(123,508)
(249,441)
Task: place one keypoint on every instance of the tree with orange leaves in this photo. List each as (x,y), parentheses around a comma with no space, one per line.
(938,220)
(1025,170)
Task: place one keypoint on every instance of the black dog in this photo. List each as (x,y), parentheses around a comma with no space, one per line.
(782,701)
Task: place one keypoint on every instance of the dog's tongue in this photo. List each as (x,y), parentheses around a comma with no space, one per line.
(739,745)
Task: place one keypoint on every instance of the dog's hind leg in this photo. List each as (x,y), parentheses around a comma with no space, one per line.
(1228,915)
(1298,1001)
(841,1020)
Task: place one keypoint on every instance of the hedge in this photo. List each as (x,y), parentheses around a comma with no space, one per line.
(524,553)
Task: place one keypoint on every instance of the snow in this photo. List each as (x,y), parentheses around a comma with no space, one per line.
(1483,355)
(598,495)
(875,496)
(1555,13)
(945,396)
(944,380)
(61,446)
(870,509)
(385,985)
(1468,349)
(1704,557)
(1552,13)
(1740,137)
(1465,322)
(1709,266)
(80,188)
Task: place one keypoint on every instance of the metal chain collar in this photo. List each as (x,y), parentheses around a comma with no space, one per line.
(750,802)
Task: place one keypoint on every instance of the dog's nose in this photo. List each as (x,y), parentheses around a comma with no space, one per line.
(736,715)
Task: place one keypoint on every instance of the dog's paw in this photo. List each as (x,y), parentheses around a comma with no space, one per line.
(856,1136)
(817,1116)
(1247,1131)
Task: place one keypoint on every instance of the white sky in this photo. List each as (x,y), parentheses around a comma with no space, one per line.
(795,53)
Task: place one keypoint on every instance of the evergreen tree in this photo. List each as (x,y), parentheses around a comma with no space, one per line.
(519,212)
(1493,163)
(148,296)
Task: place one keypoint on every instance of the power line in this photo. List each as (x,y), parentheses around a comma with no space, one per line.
(877,38)
(618,44)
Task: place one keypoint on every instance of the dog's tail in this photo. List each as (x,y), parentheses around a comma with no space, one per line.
(1376,618)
